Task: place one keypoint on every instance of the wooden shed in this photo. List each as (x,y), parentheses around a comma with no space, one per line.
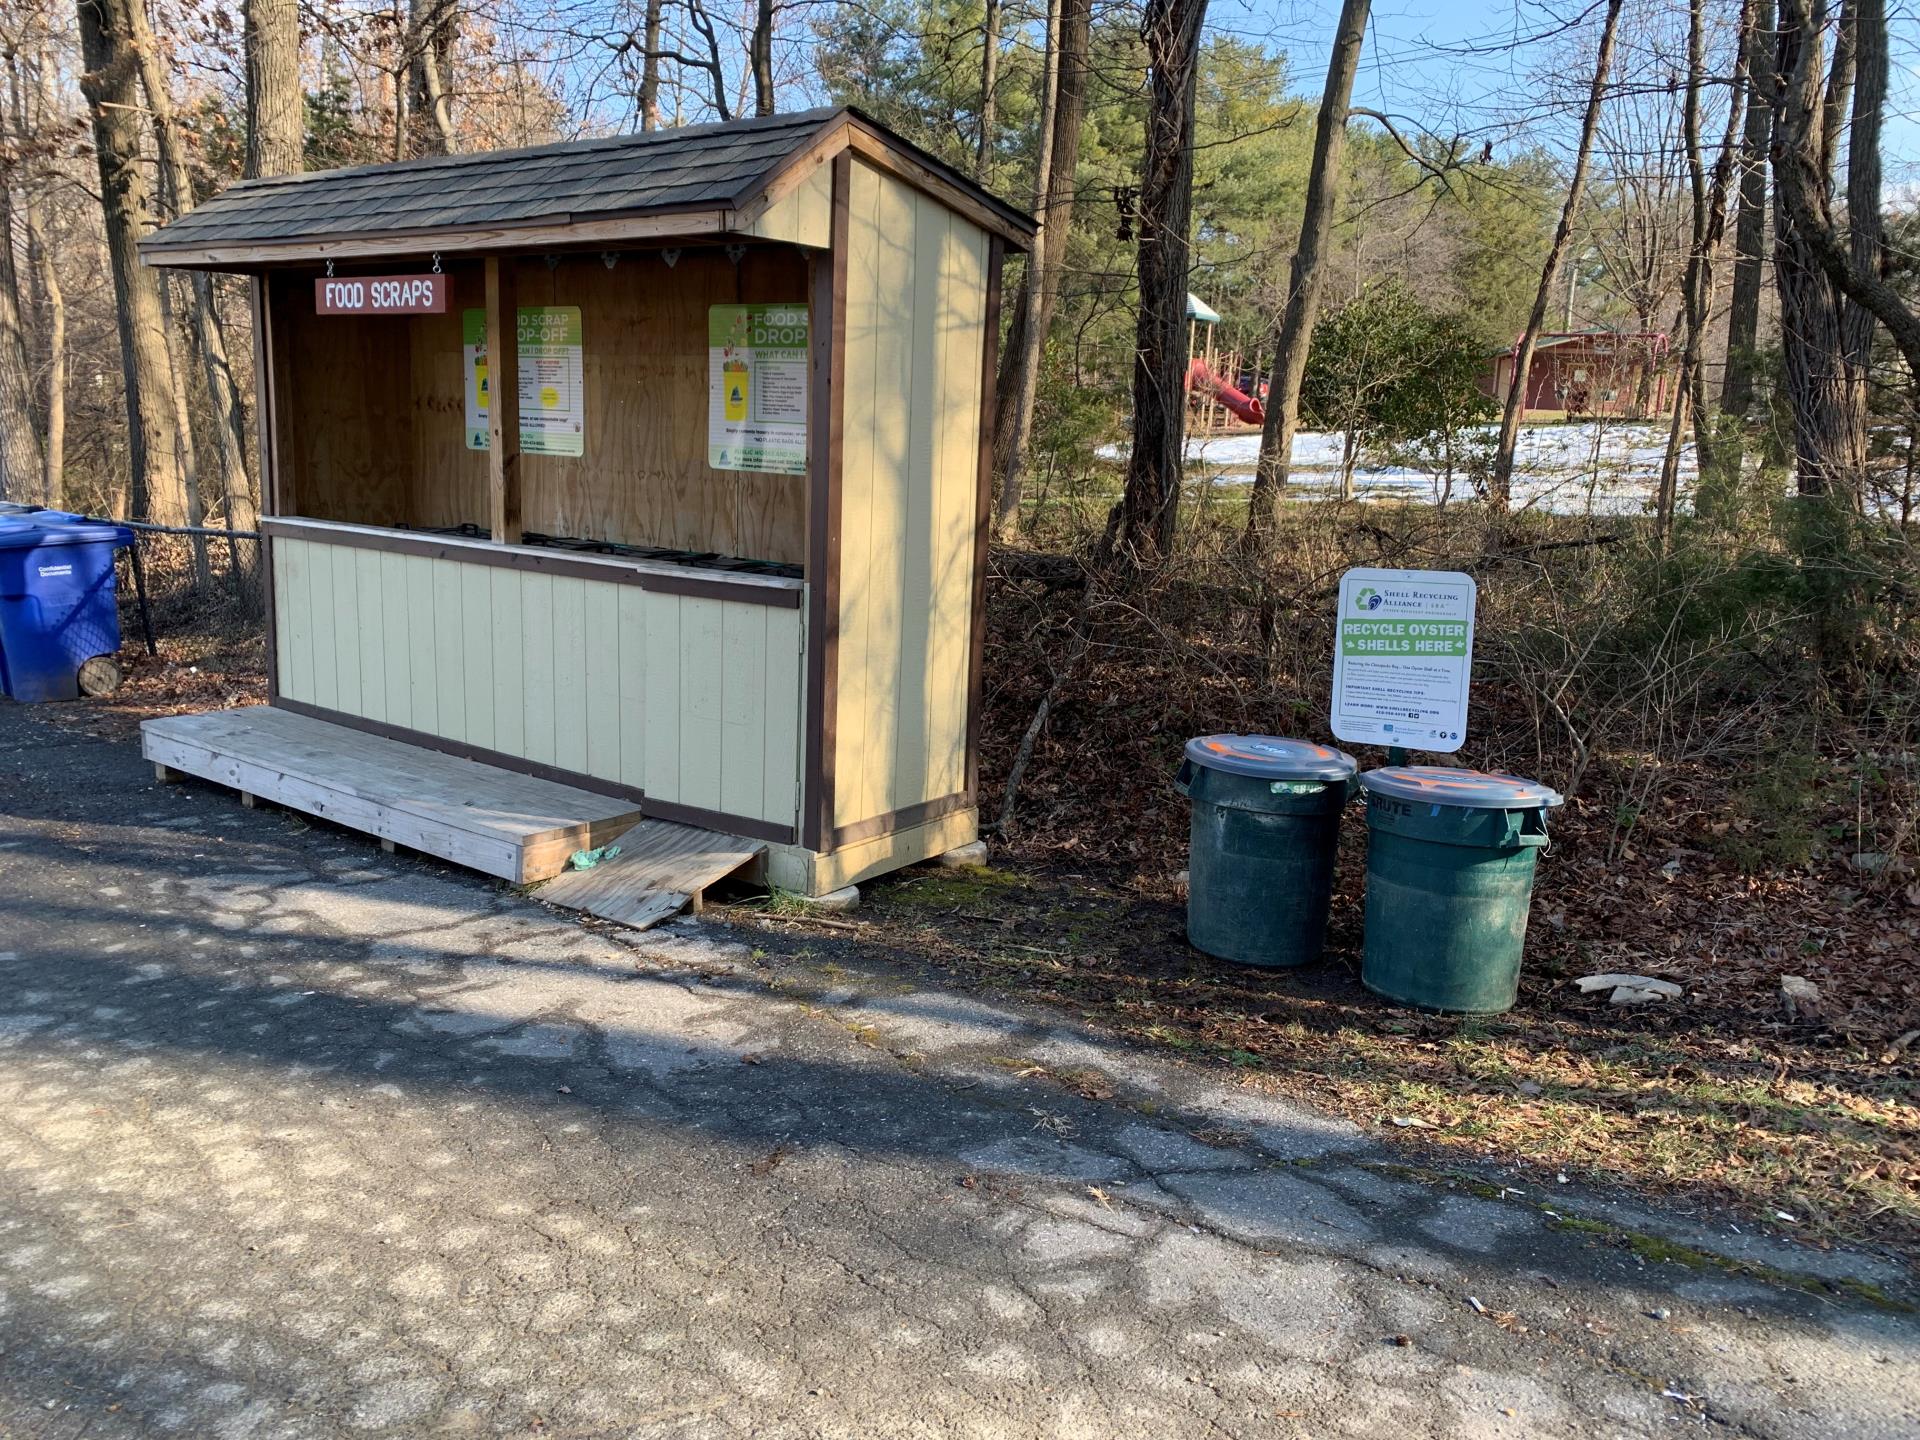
(654,468)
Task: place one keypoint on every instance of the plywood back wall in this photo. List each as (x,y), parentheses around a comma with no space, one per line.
(449,480)
(644,478)
(376,427)
(342,410)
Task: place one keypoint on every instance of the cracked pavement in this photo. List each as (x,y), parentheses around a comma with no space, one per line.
(299,1139)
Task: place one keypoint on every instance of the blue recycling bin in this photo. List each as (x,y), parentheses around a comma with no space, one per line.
(56,601)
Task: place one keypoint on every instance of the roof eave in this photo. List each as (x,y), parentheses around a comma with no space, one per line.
(653,226)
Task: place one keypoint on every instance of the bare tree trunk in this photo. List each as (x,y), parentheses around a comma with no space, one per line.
(196,510)
(1033,338)
(1750,229)
(203,321)
(650,69)
(402,121)
(22,461)
(1866,223)
(989,93)
(1666,492)
(1305,276)
(156,484)
(276,105)
(1150,506)
(1050,248)
(761,53)
(1500,481)
(54,313)
(431,26)
(30,108)
(1853,267)
(1829,434)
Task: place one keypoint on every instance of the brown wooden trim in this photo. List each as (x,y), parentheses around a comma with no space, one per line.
(983,513)
(717,820)
(285,495)
(658,226)
(503,404)
(823,516)
(264,468)
(661,809)
(905,818)
(654,575)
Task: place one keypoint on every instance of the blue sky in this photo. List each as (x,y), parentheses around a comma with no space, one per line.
(1421,62)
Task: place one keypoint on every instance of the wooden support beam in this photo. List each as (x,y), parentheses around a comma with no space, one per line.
(503,402)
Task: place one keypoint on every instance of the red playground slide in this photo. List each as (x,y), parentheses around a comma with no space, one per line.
(1202,379)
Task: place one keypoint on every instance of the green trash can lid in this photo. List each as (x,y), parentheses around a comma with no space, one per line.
(1468,789)
(1270,757)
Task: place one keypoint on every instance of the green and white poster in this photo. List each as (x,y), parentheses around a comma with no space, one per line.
(553,408)
(1403,660)
(473,350)
(757,382)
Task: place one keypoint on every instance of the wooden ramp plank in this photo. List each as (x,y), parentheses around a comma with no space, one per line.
(662,867)
(517,827)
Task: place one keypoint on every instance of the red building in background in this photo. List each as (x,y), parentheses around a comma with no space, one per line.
(1577,373)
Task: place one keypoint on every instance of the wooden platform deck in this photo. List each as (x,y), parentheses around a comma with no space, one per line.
(497,821)
(662,868)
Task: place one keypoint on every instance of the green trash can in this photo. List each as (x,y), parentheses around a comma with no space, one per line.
(1266,822)
(1450,862)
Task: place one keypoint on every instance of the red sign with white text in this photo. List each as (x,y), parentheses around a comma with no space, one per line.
(381,295)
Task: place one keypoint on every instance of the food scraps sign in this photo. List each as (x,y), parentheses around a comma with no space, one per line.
(1403,662)
(381,295)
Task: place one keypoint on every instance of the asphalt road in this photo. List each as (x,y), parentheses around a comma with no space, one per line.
(297,1139)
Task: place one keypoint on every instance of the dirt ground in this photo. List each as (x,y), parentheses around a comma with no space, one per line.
(1808,1125)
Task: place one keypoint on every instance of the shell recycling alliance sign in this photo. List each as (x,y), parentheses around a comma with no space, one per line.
(1403,659)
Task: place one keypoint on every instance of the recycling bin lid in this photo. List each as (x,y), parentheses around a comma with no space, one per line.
(1468,789)
(1270,757)
(25,532)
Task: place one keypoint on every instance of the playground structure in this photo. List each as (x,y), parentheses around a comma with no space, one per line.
(1215,401)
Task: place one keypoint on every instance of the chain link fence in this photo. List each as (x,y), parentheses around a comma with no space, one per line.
(190,580)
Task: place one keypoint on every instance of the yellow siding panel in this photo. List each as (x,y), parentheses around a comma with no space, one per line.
(570,673)
(782,721)
(282,637)
(962,338)
(292,619)
(697,701)
(372,631)
(875,655)
(662,648)
(476,630)
(631,657)
(423,676)
(907,774)
(449,650)
(804,216)
(398,621)
(346,630)
(318,569)
(743,752)
(857,481)
(536,665)
(702,701)
(601,637)
(911,417)
(504,625)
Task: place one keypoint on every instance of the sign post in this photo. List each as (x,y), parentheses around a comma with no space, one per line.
(1403,658)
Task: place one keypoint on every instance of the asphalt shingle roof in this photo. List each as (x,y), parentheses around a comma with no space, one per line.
(689,167)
